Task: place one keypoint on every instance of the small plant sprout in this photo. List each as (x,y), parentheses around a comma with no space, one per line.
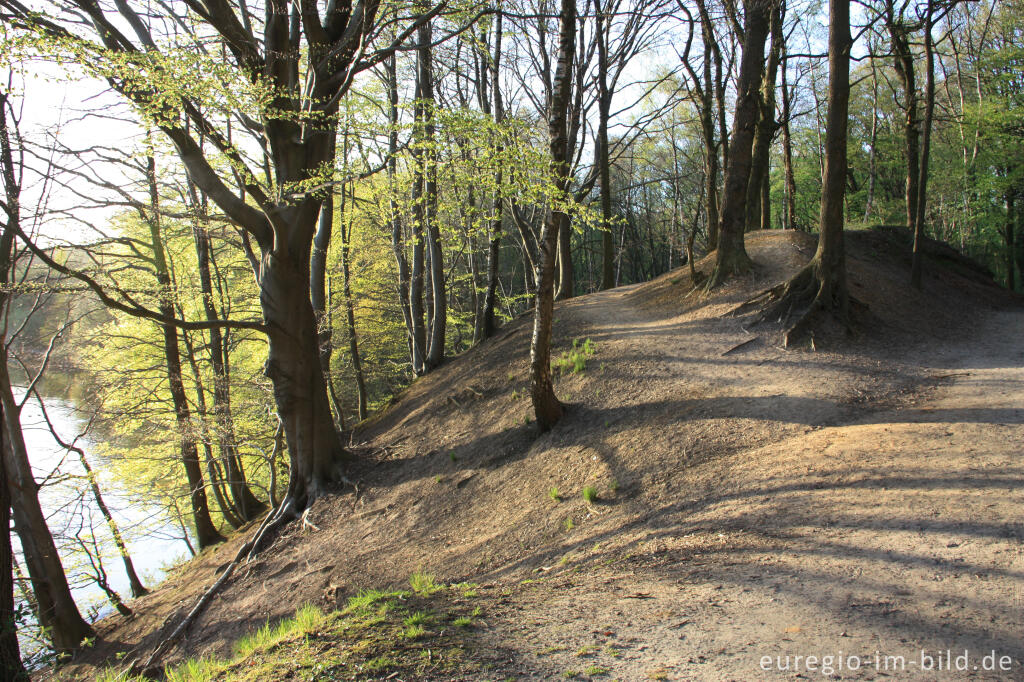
(452,457)
(418,618)
(437,478)
(554,494)
(414,632)
(462,622)
(590,494)
(614,486)
(568,523)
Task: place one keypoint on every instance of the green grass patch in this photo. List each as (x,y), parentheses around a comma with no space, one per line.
(590,494)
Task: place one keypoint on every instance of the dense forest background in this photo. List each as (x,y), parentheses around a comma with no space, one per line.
(137,287)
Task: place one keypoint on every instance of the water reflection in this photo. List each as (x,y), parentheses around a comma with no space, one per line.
(153,538)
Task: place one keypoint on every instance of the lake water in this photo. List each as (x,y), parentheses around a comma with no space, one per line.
(154,540)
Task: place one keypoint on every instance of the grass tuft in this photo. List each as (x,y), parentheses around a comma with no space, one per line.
(574,360)
(555,495)
(423,584)
(590,494)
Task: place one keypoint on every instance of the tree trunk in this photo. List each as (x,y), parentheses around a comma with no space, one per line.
(134,583)
(438,296)
(604,104)
(926,139)
(787,155)
(397,236)
(822,282)
(56,607)
(872,144)
(206,533)
(293,365)
(565,271)
(764,131)
(318,287)
(215,480)
(731,258)
(903,61)
(11,668)
(546,406)
(830,258)
(350,318)
(1008,237)
(494,245)
(707,124)
(245,503)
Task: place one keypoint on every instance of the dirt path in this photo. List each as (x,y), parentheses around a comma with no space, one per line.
(886,535)
(752,501)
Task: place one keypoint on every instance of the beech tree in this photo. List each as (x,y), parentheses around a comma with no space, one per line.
(298,63)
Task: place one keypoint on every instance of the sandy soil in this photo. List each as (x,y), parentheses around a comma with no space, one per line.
(863,497)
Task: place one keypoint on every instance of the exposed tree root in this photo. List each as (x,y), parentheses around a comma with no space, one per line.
(284,512)
(149,669)
(809,295)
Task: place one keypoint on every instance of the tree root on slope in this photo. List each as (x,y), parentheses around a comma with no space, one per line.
(807,294)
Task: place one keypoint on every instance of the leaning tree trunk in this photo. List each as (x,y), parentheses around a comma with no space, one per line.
(731,257)
(11,667)
(57,610)
(546,406)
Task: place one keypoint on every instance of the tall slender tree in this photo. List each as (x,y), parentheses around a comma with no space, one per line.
(546,406)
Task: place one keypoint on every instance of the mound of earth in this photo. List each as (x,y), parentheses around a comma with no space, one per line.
(751,501)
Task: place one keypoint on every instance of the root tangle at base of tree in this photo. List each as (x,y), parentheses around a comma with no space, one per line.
(810,295)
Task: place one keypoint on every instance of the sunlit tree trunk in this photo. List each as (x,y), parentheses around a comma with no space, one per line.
(546,406)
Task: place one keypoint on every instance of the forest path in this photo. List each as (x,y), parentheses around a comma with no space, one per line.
(752,501)
(879,519)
